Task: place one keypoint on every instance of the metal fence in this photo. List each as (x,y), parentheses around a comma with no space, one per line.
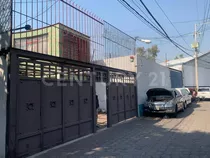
(64,29)
(5,24)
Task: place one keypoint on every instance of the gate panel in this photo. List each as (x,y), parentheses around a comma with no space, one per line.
(128,105)
(52,114)
(28,107)
(28,129)
(29,145)
(52,138)
(113,102)
(86,108)
(120,95)
(133,100)
(71,110)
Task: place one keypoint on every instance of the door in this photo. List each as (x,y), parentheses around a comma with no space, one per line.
(179,101)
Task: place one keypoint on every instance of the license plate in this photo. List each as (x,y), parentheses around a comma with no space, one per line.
(157,108)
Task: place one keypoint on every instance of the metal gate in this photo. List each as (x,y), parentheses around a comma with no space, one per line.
(122,101)
(52,102)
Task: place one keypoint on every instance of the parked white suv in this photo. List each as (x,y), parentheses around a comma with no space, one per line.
(203,93)
(186,96)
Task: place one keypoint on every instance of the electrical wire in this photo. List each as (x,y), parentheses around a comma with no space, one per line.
(37,14)
(145,21)
(176,44)
(205,20)
(171,22)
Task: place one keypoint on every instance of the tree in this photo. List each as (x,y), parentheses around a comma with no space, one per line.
(141,51)
(153,52)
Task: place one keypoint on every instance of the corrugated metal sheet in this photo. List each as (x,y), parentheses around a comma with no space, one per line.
(189,76)
(176,79)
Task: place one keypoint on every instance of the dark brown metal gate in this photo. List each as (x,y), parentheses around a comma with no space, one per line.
(122,99)
(52,102)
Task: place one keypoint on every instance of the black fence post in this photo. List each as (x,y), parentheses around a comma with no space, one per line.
(94,99)
(109,112)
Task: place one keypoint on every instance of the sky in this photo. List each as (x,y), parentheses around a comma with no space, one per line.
(177,11)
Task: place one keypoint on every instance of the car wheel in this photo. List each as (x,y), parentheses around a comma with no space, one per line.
(174,115)
(183,107)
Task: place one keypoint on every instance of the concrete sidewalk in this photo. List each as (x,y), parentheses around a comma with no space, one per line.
(185,136)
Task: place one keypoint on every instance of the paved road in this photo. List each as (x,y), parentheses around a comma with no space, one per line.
(188,135)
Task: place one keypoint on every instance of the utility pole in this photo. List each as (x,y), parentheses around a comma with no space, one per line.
(196,58)
(166,60)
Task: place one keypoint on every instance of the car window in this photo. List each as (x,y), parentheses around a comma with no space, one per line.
(183,91)
(177,93)
(186,92)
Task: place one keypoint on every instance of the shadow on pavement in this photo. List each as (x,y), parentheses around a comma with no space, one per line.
(147,137)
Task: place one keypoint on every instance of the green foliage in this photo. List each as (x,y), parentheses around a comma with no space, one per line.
(153,52)
(150,53)
(141,51)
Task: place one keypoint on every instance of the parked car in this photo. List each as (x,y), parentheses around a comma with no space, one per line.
(203,93)
(165,101)
(193,93)
(186,96)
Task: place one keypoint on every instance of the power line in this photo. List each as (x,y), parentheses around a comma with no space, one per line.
(184,22)
(137,4)
(176,44)
(171,22)
(145,21)
(38,14)
(205,20)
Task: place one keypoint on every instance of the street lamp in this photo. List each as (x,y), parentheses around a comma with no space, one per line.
(147,41)
(26,27)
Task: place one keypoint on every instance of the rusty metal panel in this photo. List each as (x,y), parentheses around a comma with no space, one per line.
(51,106)
(71,103)
(28,107)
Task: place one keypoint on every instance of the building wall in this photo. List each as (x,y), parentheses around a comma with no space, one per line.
(150,75)
(3,95)
(101,92)
(123,63)
(61,41)
(32,36)
(189,76)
